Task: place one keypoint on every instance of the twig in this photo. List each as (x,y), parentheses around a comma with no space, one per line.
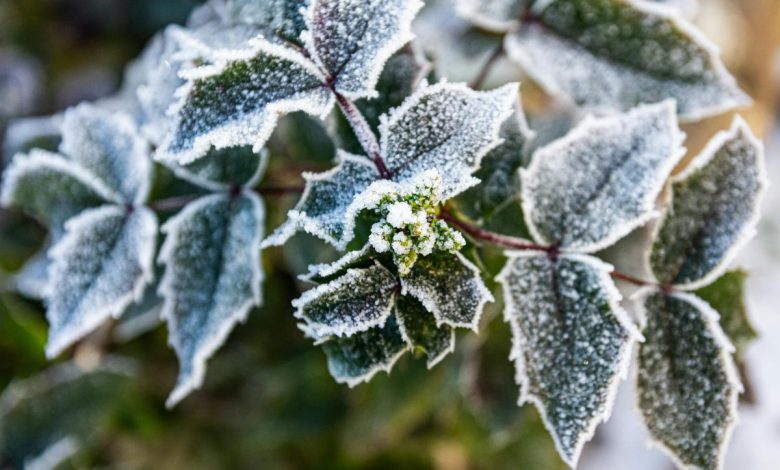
(487,66)
(363,132)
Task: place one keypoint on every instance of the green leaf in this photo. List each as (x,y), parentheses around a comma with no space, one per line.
(498,16)
(610,55)
(220,170)
(359,357)
(47,186)
(419,330)
(450,287)
(276,18)
(589,189)
(714,210)
(727,296)
(237,101)
(359,300)
(212,278)
(572,341)
(687,384)
(351,41)
(45,419)
(99,267)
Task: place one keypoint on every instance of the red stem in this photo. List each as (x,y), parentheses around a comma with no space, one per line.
(363,132)
(487,66)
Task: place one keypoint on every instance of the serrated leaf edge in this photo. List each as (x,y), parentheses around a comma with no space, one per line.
(329,269)
(431,362)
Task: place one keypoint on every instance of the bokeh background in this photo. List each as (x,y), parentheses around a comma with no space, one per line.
(268,401)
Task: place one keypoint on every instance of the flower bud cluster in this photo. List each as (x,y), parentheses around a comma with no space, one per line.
(409,227)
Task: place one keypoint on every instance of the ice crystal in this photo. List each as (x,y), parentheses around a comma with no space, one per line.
(212,278)
(612,170)
(687,384)
(572,341)
(713,212)
(610,55)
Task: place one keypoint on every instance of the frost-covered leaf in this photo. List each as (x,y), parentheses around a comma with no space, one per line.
(275,18)
(219,170)
(23,135)
(352,39)
(99,267)
(419,330)
(323,206)
(447,127)
(237,101)
(727,297)
(110,147)
(212,278)
(357,301)
(143,315)
(572,341)
(594,186)
(45,419)
(32,278)
(323,272)
(49,187)
(498,175)
(713,212)
(450,287)
(359,357)
(687,384)
(494,15)
(610,55)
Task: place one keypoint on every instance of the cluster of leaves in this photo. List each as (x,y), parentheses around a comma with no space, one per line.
(203,101)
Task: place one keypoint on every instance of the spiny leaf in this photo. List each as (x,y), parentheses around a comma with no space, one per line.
(727,296)
(450,287)
(494,15)
(212,278)
(47,186)
(323,206)
(109,146)
(223,169)
(237,102)
(714,210)
(352,39)
(572,341)
(359,357)
(45,419)
(324,272)
(99,267)
(447,127)
(419,330)
(610,55)
(357,301)
(591,188)
(687,384)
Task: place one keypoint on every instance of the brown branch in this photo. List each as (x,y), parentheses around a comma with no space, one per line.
(487,66)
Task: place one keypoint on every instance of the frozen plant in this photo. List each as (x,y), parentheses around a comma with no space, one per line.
(430,179)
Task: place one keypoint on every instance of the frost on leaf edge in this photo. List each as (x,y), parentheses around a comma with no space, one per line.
(165,291)
(712,319)
(738,126)
(584,129)
(485,297)
(118,307)
(521,378)
(223,136)
(329,269)
(664,12)
(404,35)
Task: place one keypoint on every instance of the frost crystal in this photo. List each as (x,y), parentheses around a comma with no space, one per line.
(359,300)
(714,210)
(419,330)
(352,39)
(100,266)
(494,15)
(612,170)
(610,55)
(359,357)
(687,384)
(572,341)
(450,287)
(212,278)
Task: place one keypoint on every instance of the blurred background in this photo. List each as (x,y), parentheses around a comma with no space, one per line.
(268,401)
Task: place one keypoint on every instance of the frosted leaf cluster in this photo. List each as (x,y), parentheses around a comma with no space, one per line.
(592,187)
(444,127)
(610,55)
(408,225)
(237,98)
(572,341)
(92,196)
